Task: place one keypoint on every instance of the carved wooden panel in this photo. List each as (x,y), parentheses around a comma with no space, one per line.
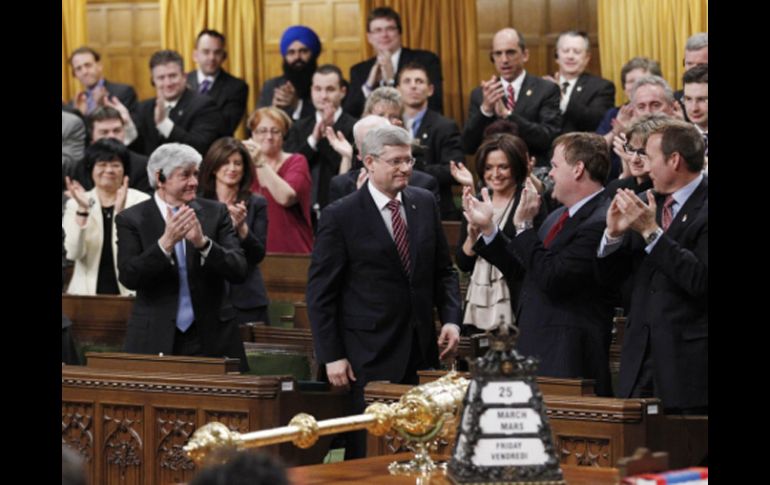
(77,430)
(123,444)
(583,450)
(173,427)
(125,34)
(235,421)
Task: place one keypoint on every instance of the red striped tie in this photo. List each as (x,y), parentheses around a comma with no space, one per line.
(510,101)
(556,228)
(668,213)
(400,234)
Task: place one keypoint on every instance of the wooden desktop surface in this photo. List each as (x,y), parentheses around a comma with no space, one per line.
(374,471)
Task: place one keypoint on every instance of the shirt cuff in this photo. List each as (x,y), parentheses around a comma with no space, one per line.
(456,326)
(312,142)
(608,244)
(488,239)
(167,253)
(165,127)
(488,115)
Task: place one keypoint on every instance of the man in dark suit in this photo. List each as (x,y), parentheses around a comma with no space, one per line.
(300,48)
(530,102)
(228,92)
(176,251)
(665,345)
(176,114)
(107,122)
(309,135)
(384,35)
(97,91)
(564,313)
(584,97)
(380,265)
(352,180)
(437,136)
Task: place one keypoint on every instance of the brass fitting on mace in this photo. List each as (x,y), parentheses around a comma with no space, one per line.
(419,412)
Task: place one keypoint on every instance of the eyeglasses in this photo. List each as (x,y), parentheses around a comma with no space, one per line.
(509,53)
(397,162)
(635,151)
(389,29)
(265,131)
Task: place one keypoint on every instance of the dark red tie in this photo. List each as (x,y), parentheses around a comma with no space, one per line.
(400,235)
(556,228)
(510,101)
(668,213)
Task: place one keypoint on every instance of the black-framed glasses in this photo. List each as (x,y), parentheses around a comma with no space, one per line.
(634,151)
(397,162)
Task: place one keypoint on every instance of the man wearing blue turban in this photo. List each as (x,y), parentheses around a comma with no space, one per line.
(300,48)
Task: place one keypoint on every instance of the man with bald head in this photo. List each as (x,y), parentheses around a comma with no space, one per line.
(529,101)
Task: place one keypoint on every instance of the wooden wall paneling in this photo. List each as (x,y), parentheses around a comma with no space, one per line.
(125,34)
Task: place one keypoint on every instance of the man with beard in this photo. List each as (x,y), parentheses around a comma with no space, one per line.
(228,92)
(300,48)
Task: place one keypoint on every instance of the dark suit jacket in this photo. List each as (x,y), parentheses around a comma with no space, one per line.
(230,95)
(124,92)
(564,313)
(440,142)
(669,305)
(344,184)
(591,97)
(361,303)
(197,122)
(536,113)
(143,267)
(266,97)
(324,162)
(355,100)
(251,293)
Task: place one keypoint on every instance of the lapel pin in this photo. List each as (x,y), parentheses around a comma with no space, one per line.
(414,207)
(529,92)
(579,88)
(424,136)
(684,218)
(180,113)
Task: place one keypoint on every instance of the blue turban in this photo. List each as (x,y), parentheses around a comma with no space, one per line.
(302,34)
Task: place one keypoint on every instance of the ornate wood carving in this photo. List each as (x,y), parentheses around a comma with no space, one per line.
(583,451)
(235,421)
(77,428)
(123,443)
(173,428)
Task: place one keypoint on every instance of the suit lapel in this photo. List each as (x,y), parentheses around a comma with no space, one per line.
(179,111)
(688,210)
(192,80)
(577,91)
(523,100)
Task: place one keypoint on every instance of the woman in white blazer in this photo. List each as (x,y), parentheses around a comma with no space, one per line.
(89,219)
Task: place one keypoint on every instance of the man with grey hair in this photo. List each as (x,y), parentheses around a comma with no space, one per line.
(380,264)
(696,52)
(352,180)
(176,251)
(652,94)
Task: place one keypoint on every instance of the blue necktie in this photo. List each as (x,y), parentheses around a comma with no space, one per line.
(184,311)
(204,87)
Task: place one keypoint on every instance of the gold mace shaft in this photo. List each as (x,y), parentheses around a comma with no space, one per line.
(283,434)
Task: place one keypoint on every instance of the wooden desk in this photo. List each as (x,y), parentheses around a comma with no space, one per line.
(98,319)
(374,471)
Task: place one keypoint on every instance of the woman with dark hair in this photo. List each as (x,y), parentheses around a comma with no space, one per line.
(88,222)
(226,176)
(502,163)
(283,179)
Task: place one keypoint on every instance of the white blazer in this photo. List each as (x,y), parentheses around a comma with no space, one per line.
(84,244)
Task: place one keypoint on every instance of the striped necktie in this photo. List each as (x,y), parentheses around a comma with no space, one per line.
(400,235)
